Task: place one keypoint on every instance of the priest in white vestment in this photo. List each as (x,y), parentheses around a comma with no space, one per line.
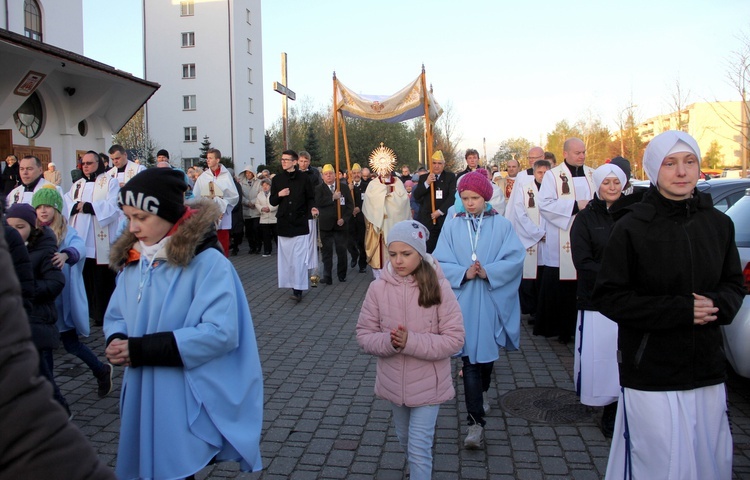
(565,190)
(91,205)
(216,184)
(32,180)
(123,169)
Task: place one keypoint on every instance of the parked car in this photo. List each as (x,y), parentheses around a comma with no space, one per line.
(725,191)
(737,334)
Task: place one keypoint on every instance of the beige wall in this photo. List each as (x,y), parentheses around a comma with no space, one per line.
(706,122)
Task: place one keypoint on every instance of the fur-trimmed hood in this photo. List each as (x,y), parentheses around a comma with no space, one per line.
(196,233)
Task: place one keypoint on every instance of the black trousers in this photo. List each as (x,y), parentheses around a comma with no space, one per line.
(268,233)
(356,243)
(528,292)
(252,233)
(556,310)
(99,282)
(328,239)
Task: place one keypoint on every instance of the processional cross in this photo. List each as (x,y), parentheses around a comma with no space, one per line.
(287,95)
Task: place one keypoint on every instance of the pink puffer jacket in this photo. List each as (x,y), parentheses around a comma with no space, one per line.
(420,374)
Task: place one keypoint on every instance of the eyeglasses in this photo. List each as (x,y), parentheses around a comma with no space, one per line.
(287,159)
(89,163)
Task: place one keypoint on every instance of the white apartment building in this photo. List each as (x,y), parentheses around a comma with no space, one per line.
(207,57)
(55,103)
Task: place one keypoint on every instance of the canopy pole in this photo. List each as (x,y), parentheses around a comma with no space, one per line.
(346,154)
(428,132)
(336,144)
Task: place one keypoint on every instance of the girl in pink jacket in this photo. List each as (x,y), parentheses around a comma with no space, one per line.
(412,322)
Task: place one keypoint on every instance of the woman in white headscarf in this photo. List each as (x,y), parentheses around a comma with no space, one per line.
(669,278)
(595,366)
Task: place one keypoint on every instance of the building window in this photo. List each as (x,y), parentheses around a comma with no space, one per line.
(187,8)
(191,134)
(32,20)
(251,136)
(30,116)
(250,105)
(249,46)
(188,102)
(188,39)
(249,75)
(248,16)
(188,70)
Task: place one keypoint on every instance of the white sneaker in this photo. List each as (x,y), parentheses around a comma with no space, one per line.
(486,403)
(474,437)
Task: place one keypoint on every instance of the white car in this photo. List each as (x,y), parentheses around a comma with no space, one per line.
(737,334)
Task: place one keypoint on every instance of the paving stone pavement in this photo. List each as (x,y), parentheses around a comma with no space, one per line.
(322,421)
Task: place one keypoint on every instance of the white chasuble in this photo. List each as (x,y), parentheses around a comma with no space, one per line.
(559,193)
(99,230)
(131,170)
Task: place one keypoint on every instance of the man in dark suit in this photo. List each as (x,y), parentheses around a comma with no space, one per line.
(333,230)
(356,244)
(443,193)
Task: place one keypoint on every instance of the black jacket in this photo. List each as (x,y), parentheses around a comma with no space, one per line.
(21,265)
(447,185)
(48,284)
(315,178)
(328,210)
(588,237)
(10,179)
(658,255)
(295,207)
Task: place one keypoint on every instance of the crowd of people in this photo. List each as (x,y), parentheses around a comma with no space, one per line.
(458,261)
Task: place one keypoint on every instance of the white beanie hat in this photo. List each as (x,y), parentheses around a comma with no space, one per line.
(411,233)
(671,141)
(608,170)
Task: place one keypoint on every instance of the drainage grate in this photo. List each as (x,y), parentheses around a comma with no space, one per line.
(548,405)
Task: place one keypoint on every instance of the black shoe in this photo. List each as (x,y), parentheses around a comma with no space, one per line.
(531,320)
(363,270)
(353,263)
(563,339)
(297,295)
(327,281)
(342,279)
(104,381)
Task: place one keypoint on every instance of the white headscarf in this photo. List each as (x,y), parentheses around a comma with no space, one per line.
(671,141)
(608,170)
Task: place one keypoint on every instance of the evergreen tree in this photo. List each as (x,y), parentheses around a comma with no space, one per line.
(270,152)
(313,147)
(205,147)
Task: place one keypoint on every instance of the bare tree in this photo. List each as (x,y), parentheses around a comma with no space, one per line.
(678,103)
(738,75)
(133,136)
(447,136)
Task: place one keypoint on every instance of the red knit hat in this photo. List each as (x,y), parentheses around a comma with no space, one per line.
(476,182)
